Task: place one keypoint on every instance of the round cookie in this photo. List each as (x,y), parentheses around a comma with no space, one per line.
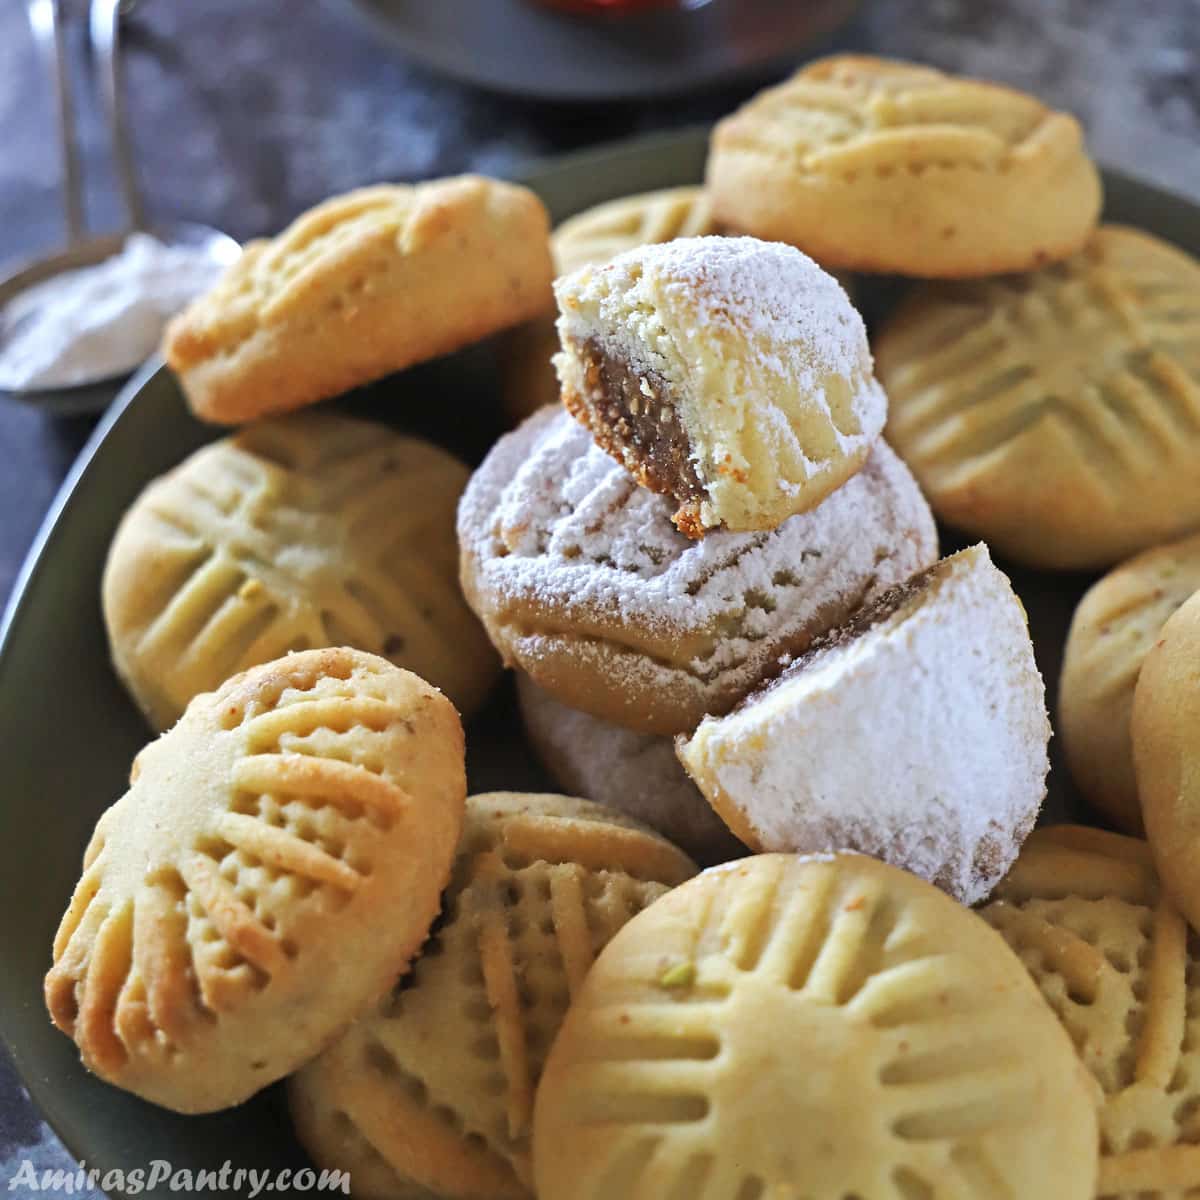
(594,236)
(1112,630)
(360,286)
(731,374)
(583,582)
(1166,755)
(296,533)
(435,1090)
(1114,958)
(1056,415)
(917,734)
(823,1028)
(635,773)
(276,862)
(877,165)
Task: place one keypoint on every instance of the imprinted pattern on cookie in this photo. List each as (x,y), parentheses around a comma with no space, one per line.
(1116,961)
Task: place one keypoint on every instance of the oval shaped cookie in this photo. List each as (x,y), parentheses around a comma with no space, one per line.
(917,734)
(1057,414)
(877,165)
(731,374)
(584,583)
(275,864)
(1113,628)
(1114,958)
(634,773)
(302,532)
(435,1091)
(1166,755)
(819,1028)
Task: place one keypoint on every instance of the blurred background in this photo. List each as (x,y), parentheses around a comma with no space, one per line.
(245,112)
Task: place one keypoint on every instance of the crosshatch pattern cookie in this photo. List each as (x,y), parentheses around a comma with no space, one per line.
(1114,958)
(917,734)
(1056,415)
(1112,631)
(594,236)
(439,1084)
(824,1029)
(583,582)
(731,374)
(877,165)
(363,285)
(1166,755)
(635,773)
(301,532)
(275,864)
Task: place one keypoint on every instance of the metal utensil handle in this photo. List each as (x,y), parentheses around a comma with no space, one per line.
(46,22)
(105,21)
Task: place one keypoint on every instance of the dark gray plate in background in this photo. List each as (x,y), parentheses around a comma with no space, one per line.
(69,732)
(523,48)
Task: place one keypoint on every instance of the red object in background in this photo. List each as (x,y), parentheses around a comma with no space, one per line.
(616,7)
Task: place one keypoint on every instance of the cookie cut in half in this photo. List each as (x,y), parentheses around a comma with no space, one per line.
(634,773)
(817,1028)
(594,236)
(363,285)
(1166,755)
(730,374)
(274,866)
(300,532)
(1057,414)
(584,583)
(1114,958)
(917,734)
(1112,631)
(434,1092)
(873,164)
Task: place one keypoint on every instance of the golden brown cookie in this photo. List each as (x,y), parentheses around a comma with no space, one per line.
(594,236)
(275,864)
(730,374)
(1056,415)
(584,583)
(871,164)
(363,285)
(1114,627)
(1166,755)
(634,773)
(439,1083)
(819,1028)
(299,532)
(1114,958)
(917,734)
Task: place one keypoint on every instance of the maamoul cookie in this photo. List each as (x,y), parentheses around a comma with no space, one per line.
(877,165)
(300,532)
(1166,755)
(825,1029)
(635,773)
(1113,629)
(731,374)
(583,582)
(1113,957)
(363,285)
(594,236)
(275,864)
(917,734)
(435,1091)
(1056,415)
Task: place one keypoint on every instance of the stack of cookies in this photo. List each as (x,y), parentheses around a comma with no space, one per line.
(716,573)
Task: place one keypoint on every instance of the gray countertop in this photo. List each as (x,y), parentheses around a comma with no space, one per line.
(248,112)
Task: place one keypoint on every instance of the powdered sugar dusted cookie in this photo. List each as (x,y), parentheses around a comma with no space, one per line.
(583,582)
(636,773)
(731,374)
(916,734)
